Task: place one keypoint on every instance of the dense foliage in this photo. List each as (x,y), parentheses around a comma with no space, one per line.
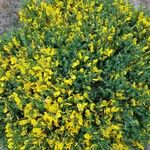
(76,76)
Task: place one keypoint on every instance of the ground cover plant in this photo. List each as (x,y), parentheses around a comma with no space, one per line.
(75,75)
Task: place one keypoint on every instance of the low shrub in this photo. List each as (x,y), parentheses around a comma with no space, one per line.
(76,76)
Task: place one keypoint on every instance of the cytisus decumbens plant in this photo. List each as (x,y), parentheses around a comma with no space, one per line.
(75,76)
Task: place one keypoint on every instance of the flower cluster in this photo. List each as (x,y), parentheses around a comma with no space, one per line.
(75,75)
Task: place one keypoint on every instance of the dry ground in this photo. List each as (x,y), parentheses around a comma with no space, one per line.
(8,14)
(146,3)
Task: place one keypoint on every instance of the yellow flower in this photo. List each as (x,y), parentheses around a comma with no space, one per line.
(56,94)
(52,51)
(120,95)
(8,128)
(108,52)
(111,131)
(87,136)
(5,109)
(22,68)
(80,119)
(113,29)
(114,109)
(127,36)
(127,19)
(17,43)
(60,99)
(58,114)
(58,145)
(89,64)
(48,119)
(95,61)
(47,102)
(95,70)
(27,109)
(40,88)
(119,136)
(97,79)
(119,146)
(81,106)
(37,68)
(75,63)
(87,113)
(148,39)
(97,120)
(37,132)
(27,86)
(86,95)
(23,147)
(8,74)
(115,127)
(13,60)
(104,103)
(139,145)
(35,24)
(145,48)
(107,110)
(109,38)
(99,8)
(8,47)
(69,144)
(79,15)
(87,148)
(80,55)
(34,122)
(81,70)
(54,107)
(135,41)
(92,105)
(48,9)
(50,141)
(10,145)
(10,134)
(104,30)
(86,58)
(68,81)
(17,100)
(1,90)
(23,122)
(24,131)
(73,77)
(133,102)
(91,46)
